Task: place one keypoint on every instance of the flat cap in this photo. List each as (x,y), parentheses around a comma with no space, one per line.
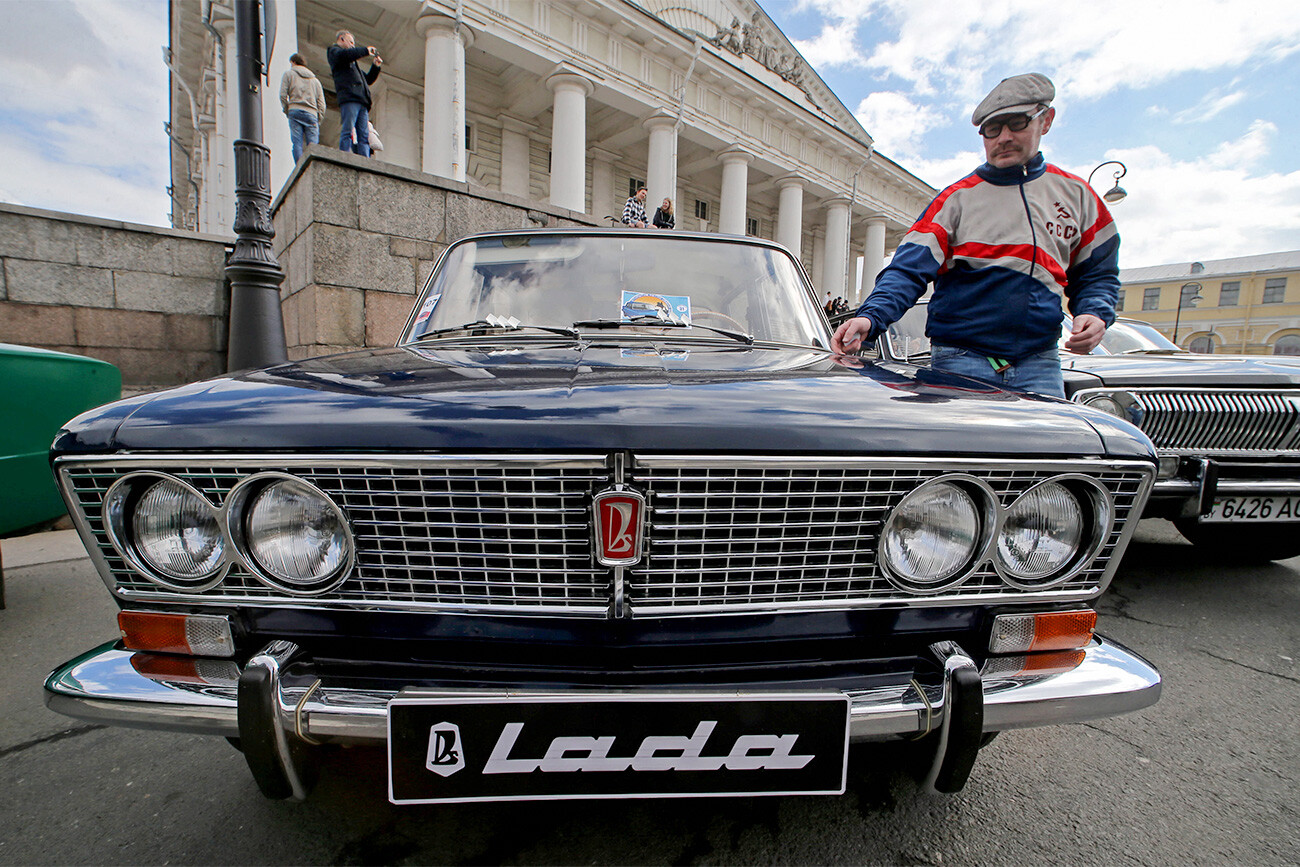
(1019,93)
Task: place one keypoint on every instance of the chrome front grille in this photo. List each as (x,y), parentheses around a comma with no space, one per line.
(510,535)
(1220,421)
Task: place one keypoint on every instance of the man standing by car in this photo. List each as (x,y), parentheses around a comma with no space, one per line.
(1003,247)
(352,89)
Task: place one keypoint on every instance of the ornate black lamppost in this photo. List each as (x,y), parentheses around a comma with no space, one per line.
(256,325)
(1191,300)
(1115,193)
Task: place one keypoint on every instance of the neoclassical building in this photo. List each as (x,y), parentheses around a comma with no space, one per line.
(571,103)
(1246,305)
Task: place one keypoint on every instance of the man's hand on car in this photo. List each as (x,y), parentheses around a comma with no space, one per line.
(1086,334)
(849,336)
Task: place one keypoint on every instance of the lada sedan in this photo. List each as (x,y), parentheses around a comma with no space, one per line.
(609,521)
(1226,428)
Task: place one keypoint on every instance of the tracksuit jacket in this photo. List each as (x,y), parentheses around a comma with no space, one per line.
(1003,247)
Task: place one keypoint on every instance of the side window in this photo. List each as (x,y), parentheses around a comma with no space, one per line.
(1230,294)
(1151,298)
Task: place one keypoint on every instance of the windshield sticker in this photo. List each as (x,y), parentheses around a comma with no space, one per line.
(670,308)
(654,353)
(426,309)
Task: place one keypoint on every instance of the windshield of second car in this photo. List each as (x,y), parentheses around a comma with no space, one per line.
(907,336)
(1124,337)
(652,285)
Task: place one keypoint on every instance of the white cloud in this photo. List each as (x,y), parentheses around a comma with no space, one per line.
(834,46)
(84,131)
(1090,49)
(1211,207)
(896,123)
(1215,103)
(34,178)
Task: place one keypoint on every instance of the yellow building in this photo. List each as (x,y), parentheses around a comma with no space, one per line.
(1249,305)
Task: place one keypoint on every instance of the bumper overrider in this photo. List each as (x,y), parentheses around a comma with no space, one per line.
(279,709)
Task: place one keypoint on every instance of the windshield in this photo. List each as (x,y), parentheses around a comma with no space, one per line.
(653,285)
(907,336)
(1126,336)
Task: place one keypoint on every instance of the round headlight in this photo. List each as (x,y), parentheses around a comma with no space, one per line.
(1042,533)
(296,536)
(931,537)
(176,535)
(1106,404)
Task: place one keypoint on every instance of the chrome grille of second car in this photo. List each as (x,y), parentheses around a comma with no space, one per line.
(1206,421)
(513,535)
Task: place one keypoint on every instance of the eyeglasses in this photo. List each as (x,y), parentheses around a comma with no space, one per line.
(1015,123)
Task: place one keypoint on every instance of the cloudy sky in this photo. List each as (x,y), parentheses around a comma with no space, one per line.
(1199,98)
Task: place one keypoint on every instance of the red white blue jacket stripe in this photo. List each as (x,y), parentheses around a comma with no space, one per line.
(1003,247)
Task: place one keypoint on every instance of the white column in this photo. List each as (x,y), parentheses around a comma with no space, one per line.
(275,126)
(443,151)
(873,258)
(735,190)
(661,167)
(227,130)
(569,140)
(515,170)
(837,246)
(396,117)
(789,217)
(603,201)
(818,272)
(207,205)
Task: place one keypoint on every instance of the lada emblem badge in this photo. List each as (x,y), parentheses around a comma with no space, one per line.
(619,517)
(446,756)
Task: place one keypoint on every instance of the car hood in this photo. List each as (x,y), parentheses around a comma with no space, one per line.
(569,397)
(1185,370)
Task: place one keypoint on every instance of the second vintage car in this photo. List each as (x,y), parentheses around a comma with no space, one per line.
(1227,429)
(610,521)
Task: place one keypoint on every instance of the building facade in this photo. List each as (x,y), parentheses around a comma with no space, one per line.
(572,103)
(1249,305)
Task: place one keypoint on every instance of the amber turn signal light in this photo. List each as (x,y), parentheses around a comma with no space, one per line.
(189,634)
(1030,633)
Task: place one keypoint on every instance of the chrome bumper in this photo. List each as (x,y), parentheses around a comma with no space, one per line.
(103,686)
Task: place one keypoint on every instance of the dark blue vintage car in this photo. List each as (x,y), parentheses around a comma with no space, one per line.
(610,506)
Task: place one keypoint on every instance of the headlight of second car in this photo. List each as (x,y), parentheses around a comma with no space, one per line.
(1121,404)
(292,534)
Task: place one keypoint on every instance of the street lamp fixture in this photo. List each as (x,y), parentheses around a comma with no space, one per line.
(1191,301)
(1116,193)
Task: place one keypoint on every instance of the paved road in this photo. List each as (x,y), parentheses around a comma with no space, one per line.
(1207,776)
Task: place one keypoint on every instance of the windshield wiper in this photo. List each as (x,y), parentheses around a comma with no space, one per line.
(498,325)
(651,319)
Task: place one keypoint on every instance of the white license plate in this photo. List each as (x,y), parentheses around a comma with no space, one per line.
(1254,509)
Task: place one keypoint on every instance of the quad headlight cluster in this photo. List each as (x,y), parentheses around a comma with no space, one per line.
(283,530)
(942,533)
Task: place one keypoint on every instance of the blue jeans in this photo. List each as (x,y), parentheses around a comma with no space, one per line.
(304,129)
(355,116)
(1039,373)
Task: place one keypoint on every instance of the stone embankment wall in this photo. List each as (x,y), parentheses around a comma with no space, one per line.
(151,301)
(358,237)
